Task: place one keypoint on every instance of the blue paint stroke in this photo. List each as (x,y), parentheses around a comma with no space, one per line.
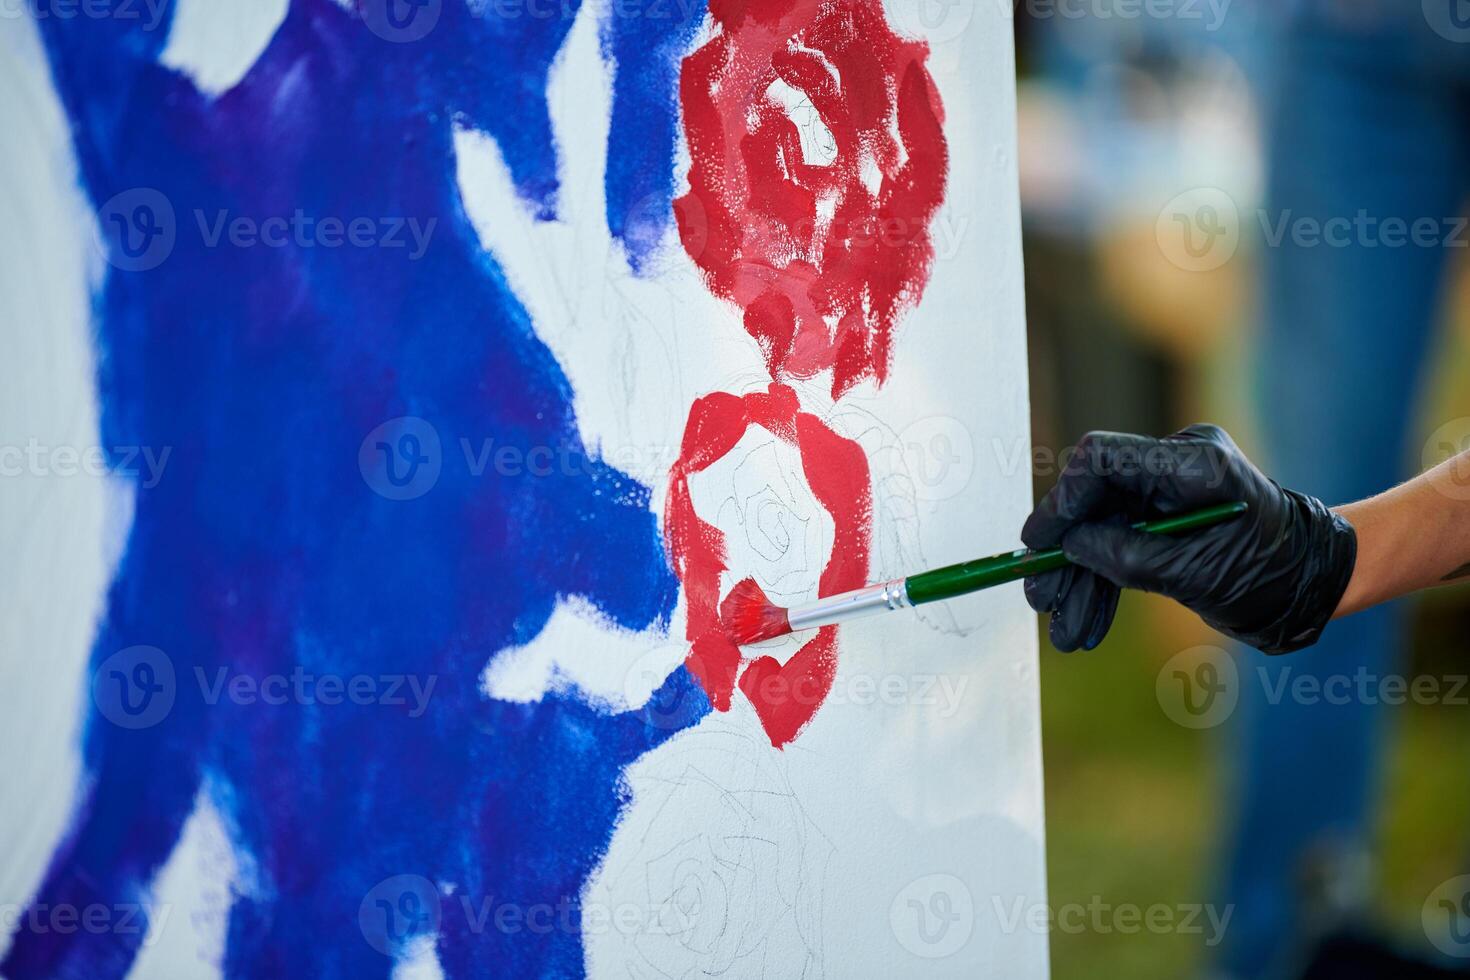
(264,552)
(646,42)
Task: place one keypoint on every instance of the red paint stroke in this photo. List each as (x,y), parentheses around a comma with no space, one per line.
(785,697)
(822,258)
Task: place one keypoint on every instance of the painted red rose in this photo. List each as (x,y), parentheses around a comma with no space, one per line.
(785,696)
(823,254)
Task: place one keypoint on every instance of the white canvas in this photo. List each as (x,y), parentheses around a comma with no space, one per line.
(901,832)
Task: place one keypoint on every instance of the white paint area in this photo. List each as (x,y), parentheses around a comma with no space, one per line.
(419,961)
(818,147)
(578,649)
(215,42)
(190,907)
(52,514)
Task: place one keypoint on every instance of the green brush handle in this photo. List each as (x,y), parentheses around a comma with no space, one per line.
(982,573)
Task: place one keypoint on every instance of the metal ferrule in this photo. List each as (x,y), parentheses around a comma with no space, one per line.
(835,609)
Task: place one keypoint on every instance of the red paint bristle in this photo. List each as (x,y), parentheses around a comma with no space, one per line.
(750,617)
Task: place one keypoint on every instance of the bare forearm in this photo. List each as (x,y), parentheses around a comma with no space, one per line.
(1415,536)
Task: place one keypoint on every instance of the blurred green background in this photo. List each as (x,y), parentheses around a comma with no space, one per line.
(1121,338)
(1133,800)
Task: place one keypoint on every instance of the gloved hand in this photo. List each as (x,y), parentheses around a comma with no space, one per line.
(1271,578)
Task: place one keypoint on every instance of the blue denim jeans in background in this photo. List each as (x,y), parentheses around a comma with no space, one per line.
(1368,119)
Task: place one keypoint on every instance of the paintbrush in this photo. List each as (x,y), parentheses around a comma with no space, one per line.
(750,617)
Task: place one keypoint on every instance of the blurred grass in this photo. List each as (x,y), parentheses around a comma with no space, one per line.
(1132,801)
(1424,830)
(1135,803)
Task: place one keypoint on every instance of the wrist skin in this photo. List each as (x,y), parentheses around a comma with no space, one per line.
(1369,584)
(1414,536)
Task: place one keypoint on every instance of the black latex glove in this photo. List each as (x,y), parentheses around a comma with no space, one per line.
(1271,577)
